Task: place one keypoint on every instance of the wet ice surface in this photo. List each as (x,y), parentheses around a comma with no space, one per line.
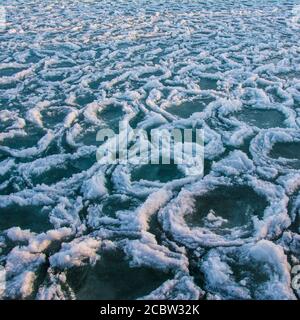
(226,208)
(74,229)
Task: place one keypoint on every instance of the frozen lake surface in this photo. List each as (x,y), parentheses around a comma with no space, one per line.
(72,228)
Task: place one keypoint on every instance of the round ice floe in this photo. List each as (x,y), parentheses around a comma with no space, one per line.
(54,168)
(219,116)
(195,126)
(276,151)
(148,165)
(186,108)
(218,211)
(142,180)
(105,213)
(239,121)
(106,112)
(106,280)
(265,117)
(253,271)
(36,150)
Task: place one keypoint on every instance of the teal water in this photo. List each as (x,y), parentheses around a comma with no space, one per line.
(71,228)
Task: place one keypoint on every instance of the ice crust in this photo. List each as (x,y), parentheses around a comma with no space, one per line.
(63,66)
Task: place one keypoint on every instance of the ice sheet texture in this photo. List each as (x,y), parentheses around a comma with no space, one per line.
(71,228)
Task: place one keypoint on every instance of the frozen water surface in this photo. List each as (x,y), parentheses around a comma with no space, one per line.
(71,228)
